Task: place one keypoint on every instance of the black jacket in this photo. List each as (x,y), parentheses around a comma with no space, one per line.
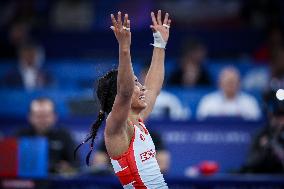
(61,146)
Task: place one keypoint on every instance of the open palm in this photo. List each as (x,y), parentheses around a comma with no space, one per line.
(121,29)
(158,25)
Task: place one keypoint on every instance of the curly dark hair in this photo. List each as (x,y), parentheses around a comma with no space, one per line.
(106,92)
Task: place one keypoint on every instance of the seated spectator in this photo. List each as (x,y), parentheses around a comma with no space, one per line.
(267,151)
(42,119)
(191,72)
(101,161)
(229,101)
(13,39)
(29,74)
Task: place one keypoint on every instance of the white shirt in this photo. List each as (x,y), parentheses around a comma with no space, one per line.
(216,104)
(169,102)
(29,76)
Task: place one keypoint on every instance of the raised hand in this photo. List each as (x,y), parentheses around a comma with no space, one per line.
(157,25)
(121,30)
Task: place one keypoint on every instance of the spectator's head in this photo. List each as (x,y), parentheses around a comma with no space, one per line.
(277,63)
(30,55)
(229,82)
(42,115)
(192,57)
(18,34)
(193,52)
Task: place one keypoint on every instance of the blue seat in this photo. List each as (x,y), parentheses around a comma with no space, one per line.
(6,66)
(82,73)
(190,97)
(16,102)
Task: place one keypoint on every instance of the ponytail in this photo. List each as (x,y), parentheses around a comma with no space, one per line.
(106,92)
(93,133)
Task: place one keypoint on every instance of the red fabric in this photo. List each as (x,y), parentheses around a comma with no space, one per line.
(125,175)
(8,157)
(133,167)
(129,173)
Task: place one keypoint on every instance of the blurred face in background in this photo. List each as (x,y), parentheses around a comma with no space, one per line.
(229,82)
(42,116)
(18,34)
(195,55)
(191,65)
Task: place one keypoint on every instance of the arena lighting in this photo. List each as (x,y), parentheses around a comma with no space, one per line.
(280,94)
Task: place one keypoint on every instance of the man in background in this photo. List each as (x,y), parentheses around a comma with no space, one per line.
(229,100)
(191,72)
(42,119)
(28,75)
(267,151)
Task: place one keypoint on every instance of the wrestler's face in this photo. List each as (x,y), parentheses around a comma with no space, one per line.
(138,97)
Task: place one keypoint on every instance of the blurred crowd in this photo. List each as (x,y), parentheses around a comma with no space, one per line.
(20,20)
(232,97)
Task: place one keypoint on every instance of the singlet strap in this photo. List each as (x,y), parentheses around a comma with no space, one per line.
(141,123)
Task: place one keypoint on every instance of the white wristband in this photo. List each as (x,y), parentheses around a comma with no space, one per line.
(158,40)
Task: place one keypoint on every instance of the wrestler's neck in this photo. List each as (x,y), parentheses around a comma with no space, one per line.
(134,116)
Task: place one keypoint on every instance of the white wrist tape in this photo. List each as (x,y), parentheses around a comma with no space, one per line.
(159,41)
